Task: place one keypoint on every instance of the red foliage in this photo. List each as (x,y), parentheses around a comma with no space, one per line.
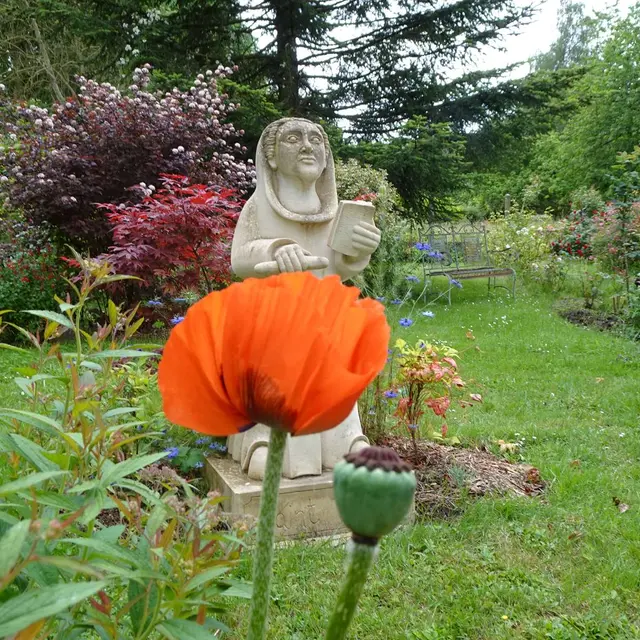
(178,238)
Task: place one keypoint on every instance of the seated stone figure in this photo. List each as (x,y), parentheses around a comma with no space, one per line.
(285,227)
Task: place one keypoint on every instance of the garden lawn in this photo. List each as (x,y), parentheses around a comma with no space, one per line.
(562,566)
(565,565)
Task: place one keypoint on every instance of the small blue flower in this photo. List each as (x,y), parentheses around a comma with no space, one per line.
(172,452)
(405,322)
(436,255)
(422,246)
(396,301)
(176,320)
(428,314)
(412,278)
(390,394)
(455,283)
(381,299)
(154,303)
(201,441)
(198,465)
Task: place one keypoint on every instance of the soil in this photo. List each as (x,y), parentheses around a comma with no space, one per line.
(574,312)
(447,474)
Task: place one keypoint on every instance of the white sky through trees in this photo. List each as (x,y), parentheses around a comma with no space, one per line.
(538,36)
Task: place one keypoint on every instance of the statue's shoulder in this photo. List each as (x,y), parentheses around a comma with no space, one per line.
(249,208)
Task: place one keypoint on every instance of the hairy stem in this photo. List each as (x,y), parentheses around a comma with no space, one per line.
(361,556)
(263,555)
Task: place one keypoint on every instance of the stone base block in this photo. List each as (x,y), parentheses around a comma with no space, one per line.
(305,505)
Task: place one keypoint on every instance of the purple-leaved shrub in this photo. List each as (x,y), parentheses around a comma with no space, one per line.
(56,164)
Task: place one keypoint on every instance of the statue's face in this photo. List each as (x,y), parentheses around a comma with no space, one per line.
(300,151)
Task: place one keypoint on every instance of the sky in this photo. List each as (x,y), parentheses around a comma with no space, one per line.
(538,36)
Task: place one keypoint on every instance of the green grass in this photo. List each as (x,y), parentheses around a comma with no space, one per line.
(562,566)
(565,565)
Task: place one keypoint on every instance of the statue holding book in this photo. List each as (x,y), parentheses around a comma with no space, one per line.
(293,222)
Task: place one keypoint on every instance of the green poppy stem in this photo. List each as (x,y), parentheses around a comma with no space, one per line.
(360,559)
(263,555)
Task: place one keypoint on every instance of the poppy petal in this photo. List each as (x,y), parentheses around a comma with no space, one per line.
(188,377)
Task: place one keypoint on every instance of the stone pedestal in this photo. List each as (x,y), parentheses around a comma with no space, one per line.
(305,505)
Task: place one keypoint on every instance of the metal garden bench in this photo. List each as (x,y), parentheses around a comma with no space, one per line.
(459,251)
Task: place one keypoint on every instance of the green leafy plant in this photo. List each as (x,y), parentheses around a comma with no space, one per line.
(97,540)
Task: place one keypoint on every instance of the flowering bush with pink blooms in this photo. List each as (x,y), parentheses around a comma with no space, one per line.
(57,163)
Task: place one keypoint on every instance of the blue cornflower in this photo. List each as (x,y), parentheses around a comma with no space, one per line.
(176,320)
(172,452)
(180,300)
(455,283)
(405,322)
(201,441)
(428,314)
(396,301)
(198,465)
(436,255)
(412,278)
(390,394)
(154,303)
(422,246)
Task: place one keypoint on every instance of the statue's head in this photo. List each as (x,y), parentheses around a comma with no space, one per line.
(296,148)
(299,149)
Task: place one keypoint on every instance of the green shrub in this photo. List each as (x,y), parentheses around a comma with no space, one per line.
(31,273)
(384,275)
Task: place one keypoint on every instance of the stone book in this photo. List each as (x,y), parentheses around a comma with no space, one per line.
(350,213)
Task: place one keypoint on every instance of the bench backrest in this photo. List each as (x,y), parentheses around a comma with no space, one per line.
(463,244)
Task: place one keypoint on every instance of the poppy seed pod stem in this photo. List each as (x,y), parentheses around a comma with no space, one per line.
(263,554)
(361,556)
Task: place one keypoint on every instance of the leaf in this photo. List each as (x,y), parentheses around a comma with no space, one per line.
(126,468)
(31,632)
(142,490)
(104,549)
(29,607)
(10,347)
(113,312)
(33,453)
(176,629)
(145,600)
(239,589)
(68,564)
(206,576)
(11,545)
(48,425)
(118,412)
(53,316)
(29,481)
(123,353)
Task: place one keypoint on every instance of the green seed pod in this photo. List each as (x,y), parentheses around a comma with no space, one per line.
(373,490)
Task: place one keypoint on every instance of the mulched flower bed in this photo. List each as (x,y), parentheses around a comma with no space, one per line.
(447,474)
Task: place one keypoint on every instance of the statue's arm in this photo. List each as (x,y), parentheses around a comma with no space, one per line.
(348,267)
(247,250)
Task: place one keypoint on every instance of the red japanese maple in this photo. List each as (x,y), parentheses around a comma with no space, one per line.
(176,238)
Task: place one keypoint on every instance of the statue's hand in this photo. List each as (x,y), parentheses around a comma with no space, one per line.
(366,238)
(292,257)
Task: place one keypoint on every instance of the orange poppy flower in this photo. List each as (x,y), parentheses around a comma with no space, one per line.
(290,351)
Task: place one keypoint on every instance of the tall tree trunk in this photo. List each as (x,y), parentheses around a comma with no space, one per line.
(286,24)
(46,62)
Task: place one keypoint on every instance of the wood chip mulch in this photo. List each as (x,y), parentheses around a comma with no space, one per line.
(447,474)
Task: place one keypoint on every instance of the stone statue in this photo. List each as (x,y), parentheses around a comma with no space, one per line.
(285,227)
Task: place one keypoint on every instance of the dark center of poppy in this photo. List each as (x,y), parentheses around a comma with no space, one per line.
(264,402)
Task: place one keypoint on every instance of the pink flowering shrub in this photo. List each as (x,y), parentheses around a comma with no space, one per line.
(616,239)
(177,238)
(93,148)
